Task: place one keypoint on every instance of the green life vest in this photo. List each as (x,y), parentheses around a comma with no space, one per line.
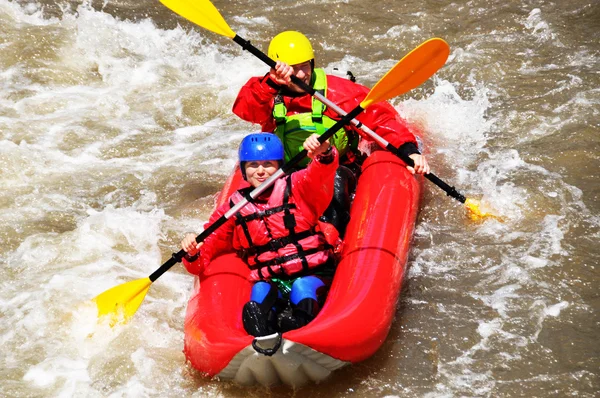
(293,130)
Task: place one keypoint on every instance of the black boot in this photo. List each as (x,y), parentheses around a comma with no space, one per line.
(302,313)
(256,322)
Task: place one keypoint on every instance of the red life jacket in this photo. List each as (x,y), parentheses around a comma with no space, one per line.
(275,237)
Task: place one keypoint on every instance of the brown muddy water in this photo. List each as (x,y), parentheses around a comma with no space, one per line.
(116,130)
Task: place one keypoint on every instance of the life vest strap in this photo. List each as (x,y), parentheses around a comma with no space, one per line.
(276,244)
(282,260)
(265,213)
(279,110)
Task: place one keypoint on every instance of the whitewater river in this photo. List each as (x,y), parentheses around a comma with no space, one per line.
(116,131)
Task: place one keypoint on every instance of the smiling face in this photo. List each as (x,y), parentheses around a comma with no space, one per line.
(257,171)
(303,72)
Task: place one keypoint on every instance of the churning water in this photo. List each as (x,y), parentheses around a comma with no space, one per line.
(116,131)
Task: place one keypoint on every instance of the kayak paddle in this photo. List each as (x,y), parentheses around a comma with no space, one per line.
(203,13)
(121,302)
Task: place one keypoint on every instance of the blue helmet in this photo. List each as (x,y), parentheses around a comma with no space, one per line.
(261,146)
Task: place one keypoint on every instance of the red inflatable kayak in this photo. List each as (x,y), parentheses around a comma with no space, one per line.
(357,315)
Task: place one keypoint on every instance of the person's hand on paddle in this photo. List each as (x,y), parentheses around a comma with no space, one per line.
(421,166)
(314,147)
(282,73)
(189,245)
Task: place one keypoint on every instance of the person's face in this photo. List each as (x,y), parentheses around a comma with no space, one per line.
(258,171)
(303,72)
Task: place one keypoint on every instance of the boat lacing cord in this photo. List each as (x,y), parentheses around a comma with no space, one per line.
(267,351)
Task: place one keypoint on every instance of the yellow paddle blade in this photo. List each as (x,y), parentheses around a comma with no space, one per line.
(122,301)
(475,213)
(202,13)
(411,71)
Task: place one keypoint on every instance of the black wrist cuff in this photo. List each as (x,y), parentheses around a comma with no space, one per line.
(407,149)
(272,84)
(191,259)
(327,156)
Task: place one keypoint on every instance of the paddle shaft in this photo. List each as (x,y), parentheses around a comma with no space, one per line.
(450,190)
(285,169)
(409,72)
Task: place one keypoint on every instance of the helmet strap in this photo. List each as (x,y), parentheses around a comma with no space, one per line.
(243,170)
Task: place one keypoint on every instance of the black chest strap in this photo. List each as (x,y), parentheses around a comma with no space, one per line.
(274,244)
(289,221)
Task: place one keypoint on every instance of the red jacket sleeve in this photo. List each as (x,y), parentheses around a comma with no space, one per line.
(316,183)
(217,243)
(381,117)
(254,103)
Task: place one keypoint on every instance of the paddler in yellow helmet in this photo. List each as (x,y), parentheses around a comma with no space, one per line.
(278,105)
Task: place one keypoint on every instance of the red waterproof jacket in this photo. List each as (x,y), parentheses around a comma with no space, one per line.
(260,231)
(255,103)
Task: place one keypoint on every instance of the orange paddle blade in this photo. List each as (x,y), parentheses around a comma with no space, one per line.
(410,72)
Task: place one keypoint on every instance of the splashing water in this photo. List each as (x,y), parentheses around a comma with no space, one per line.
(116,132)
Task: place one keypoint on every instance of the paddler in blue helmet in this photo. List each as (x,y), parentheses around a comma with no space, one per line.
(276,234)
(278,105)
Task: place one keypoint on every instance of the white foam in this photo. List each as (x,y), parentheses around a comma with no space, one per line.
(398,31)
(554,310)
(459,125)
(90,261)
(32,13)
(500,299)
(535,262)
(548,242)
(48,372)
(487,329)
(542,310)
(538,26)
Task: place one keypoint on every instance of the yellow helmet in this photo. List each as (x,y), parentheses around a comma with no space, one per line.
(291,47)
